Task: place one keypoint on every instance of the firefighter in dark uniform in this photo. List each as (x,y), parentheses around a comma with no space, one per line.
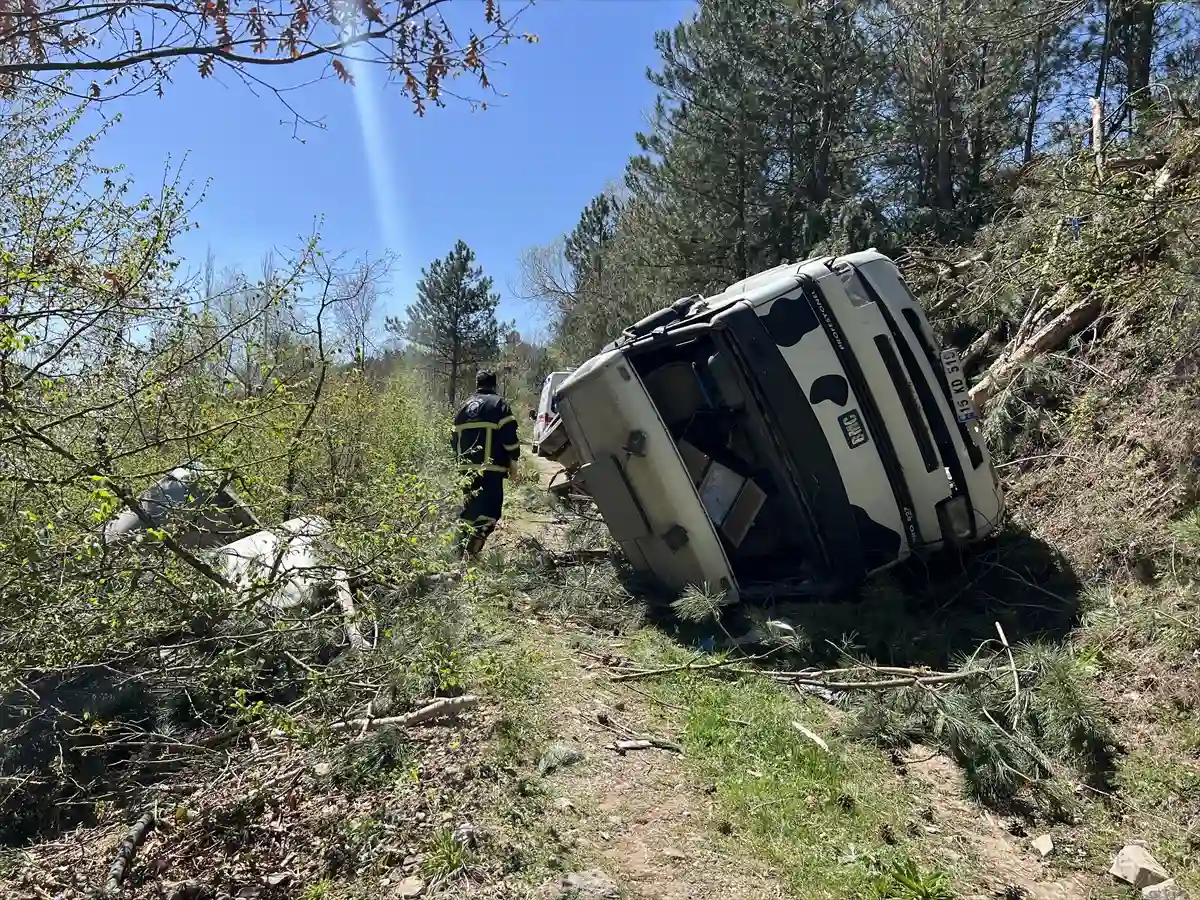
(486,444)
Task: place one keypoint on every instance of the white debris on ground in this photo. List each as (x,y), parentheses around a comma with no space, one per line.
(1134,865)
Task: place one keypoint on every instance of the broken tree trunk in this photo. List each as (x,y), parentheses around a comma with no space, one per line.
(974,354)
(1057,331)
(1178,165)
(1025,329)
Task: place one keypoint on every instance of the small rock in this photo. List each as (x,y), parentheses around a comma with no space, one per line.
(674,853)
(277,878)
(322,770)
(558,756)
(1164,890)
(466,835)
(563,804)
(591,885)
(410,887)
(1134,865)
(605,836)
(1044,845)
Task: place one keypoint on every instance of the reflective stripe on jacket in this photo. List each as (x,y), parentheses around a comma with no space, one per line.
(485,434)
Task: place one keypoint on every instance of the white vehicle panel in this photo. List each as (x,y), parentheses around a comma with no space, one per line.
(866,482)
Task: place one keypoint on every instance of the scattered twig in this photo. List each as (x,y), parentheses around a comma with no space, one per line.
(579,557)
(646,744)
(634,740)
(438,709)
(126,851)
(689,666)
(1012,663)
(887,683)
(811,735)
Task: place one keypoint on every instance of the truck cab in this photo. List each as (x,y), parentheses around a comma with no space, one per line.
(794,433)
(547,409)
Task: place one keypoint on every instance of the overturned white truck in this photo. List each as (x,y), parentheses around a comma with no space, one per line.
(794,433)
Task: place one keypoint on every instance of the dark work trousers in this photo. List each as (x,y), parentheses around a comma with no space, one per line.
(484,501)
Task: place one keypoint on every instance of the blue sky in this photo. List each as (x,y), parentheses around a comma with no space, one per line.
(516,174)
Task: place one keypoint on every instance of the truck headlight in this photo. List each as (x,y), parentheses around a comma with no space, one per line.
(956,519)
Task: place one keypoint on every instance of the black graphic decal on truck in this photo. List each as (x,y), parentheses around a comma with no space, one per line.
(829,387)
(789,320)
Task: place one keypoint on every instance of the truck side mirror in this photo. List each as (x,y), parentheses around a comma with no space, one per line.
(533,414)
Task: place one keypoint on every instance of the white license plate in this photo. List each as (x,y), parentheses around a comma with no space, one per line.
(960,397)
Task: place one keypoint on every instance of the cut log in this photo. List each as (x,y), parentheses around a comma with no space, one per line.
(1152,162)
(1070,321)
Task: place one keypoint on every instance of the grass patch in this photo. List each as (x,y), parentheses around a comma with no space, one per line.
(832,823)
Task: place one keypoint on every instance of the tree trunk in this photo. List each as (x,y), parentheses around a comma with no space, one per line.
(1105,51)
(979,138)
(741,255)
(821,179)
(1138,43)
(1035,91)
(455,365)
(944,184)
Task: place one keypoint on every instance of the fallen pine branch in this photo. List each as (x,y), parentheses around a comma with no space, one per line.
(690,666)
(438,709)
(579,557)
(886,683)
(126,851)
(950,266)
(819,679)
(1069,322)
(1151,161)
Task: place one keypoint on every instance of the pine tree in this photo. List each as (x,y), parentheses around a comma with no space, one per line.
(452,324)
(585,246)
